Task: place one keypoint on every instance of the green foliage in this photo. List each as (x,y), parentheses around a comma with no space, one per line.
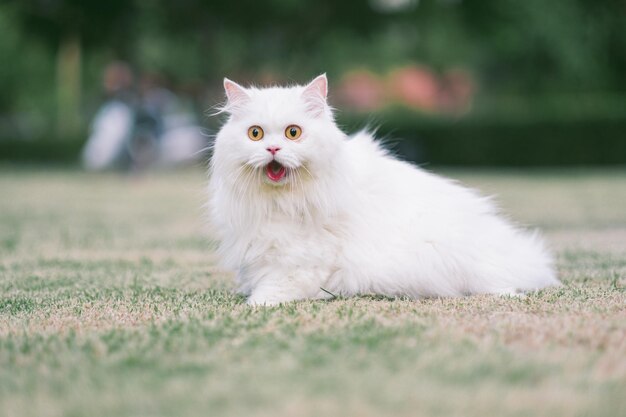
(94,22)
(562,45)
(25,76)
(512,47)
(535,139)
(570,130)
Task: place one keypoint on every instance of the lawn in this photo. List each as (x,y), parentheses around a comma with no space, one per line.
(110,305)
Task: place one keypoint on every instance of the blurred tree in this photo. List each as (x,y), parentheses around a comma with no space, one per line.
(254,35)
(23,79)
(69,26)
(519,48)
(536,46)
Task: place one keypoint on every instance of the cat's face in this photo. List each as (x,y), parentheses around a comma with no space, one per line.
(276,135)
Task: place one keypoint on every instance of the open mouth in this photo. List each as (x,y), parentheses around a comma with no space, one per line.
(275,171)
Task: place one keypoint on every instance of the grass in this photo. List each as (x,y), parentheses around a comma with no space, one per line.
(110,304)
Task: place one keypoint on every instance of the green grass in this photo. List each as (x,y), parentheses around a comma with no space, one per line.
(110,305)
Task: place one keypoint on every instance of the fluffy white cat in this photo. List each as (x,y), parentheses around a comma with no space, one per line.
(302,210)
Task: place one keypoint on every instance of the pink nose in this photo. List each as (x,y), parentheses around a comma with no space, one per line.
(273,149)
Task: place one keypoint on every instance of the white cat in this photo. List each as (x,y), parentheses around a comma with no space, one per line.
(302,210)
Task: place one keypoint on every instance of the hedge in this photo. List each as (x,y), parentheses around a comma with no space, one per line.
(501,142)
(544,141)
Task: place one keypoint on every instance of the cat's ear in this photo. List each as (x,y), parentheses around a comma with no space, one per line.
(315,94)
(317,87)
(235,93)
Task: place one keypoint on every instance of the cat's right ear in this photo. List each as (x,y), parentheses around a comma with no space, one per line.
(315,94)
(235,93)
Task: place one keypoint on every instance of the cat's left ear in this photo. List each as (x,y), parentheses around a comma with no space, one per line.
(235,93)
(315,94)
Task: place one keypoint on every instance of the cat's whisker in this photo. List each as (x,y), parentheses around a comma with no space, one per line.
(299,190)
(304,196)
(292,186)
(307,170)
(246,183)
(245,191)
(242,186)
(238,173)
(314,194)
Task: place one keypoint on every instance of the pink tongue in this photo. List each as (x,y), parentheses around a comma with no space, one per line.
(275,171)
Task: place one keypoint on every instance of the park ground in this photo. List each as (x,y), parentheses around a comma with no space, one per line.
(111,305)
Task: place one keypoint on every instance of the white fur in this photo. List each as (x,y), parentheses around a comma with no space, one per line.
(350,218)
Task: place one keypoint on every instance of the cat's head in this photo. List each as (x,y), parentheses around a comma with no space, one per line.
(278,135)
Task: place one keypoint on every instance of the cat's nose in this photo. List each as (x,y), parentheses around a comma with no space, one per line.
(273,149)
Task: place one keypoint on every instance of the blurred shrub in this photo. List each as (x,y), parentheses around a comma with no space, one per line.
(548,135)
(45,151)
(523,50)
(556,131)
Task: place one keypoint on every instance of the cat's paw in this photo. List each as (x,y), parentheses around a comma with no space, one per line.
(261,301)
(510,293)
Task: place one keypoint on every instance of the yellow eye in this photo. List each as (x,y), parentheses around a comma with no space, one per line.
(293,132)
(255,132)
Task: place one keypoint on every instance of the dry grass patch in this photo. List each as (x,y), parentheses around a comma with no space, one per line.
(110,304)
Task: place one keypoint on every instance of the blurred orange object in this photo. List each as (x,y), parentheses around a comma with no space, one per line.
(415,87)
(361,90)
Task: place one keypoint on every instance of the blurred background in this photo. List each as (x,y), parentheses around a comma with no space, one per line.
(449,82)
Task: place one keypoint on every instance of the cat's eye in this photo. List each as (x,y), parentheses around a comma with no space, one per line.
(255,133)
(293,132)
